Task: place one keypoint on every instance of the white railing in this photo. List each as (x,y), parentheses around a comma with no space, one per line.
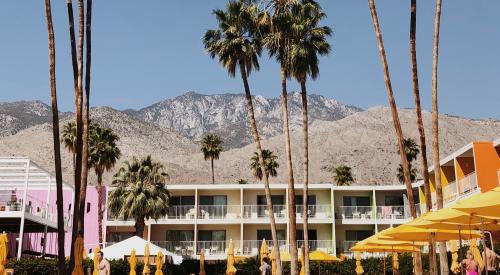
(252,247)
(323,245)
(450,192)
(468,184)
(260,211)
(11,201)
(219,211)
(321,211)
(181,212)
(216,247)
(357,212)
(393,212)
(183,248)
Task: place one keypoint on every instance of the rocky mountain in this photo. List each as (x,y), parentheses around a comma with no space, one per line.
(364,140)
(20,115)
(193,115)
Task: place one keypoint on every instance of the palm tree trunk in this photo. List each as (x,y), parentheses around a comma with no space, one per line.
(443,257)
(139,227)
(420,124)
(265,175)
(212,165)
(86,119)
(56,140)
(79,131)
(395,118)
(305,195)
(291,188)
(100,211)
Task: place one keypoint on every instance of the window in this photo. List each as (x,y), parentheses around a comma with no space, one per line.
(394,200)
(213,200)
(115,237)
(88,207)
(182,200)
(357,235)
(212,235)
(278,205)
(180,235)
(266,234)
(356,201)
(311,200)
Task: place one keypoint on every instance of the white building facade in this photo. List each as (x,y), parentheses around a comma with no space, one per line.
(205,217)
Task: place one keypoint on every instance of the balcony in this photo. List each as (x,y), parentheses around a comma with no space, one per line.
(348,244)
(395,214)
(230,212)
(323,245)
(315,211)
(181,248)
(450,192)
(468,184)
(260,211)
(356,212)
(187,212)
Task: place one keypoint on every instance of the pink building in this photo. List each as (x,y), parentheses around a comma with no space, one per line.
(28,210)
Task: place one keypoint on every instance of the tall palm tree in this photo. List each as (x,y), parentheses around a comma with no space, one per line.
(342,175)
(237,45)
(68,138)
(278,42)
(420,124)
(309,40)
(77,85)
(211,146)
(140,192)
(435,132)
(103,154)
(270,163)
(395,118)
(55,135)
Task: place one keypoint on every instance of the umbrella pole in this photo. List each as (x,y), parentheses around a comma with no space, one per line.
(483,240)
(459,248)
(384,262)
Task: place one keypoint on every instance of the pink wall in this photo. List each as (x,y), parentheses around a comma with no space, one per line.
(33,241)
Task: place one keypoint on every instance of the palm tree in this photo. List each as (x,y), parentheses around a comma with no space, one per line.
(237,45)
(411,152)
(77,64)
(342,175)
(395,118)
(278,41)
(435,132)
(420,124)
(140,192)
(309,41)
(270,164)
(55,134)
(68,138)
(211,148)
(103,154)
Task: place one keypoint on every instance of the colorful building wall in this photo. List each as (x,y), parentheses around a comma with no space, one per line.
(487,165)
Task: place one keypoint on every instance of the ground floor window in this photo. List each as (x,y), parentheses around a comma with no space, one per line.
(115,237)
(180,235)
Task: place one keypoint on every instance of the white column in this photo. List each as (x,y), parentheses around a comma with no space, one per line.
(374,211)
(196,220)
(23,208)
(334,232)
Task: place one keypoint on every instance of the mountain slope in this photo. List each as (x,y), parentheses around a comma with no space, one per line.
(195,115)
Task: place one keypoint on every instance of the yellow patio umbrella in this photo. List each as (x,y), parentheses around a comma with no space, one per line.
(231,270)
(322,256)
(3,252)
(302,261)
(477,255)
(146,260)
(132,262)
(384,248)
(453,216)
(273,262)
(359,268)
(284,256)
(484,204)
(395,263)
(96,261)
(78,269)
(264,250)
(411,233)
(202,263)
(455,266)
(159,263)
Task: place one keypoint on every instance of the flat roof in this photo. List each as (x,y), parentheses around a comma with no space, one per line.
(274,186)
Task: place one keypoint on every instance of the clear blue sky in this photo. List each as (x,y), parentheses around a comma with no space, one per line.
(146,51)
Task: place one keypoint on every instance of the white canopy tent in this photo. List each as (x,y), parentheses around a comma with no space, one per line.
(123,248)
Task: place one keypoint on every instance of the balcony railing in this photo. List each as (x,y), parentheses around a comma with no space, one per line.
(252,247)
(219,211)
(356,212)
(323,245)
(450,192)
(392,212)
(181,212)
(348,244)
(468,184)
(260,211)
(315,211)
(183,248)
(13,202)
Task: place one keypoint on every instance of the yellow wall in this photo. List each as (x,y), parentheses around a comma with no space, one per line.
(447,175)
(464,166)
